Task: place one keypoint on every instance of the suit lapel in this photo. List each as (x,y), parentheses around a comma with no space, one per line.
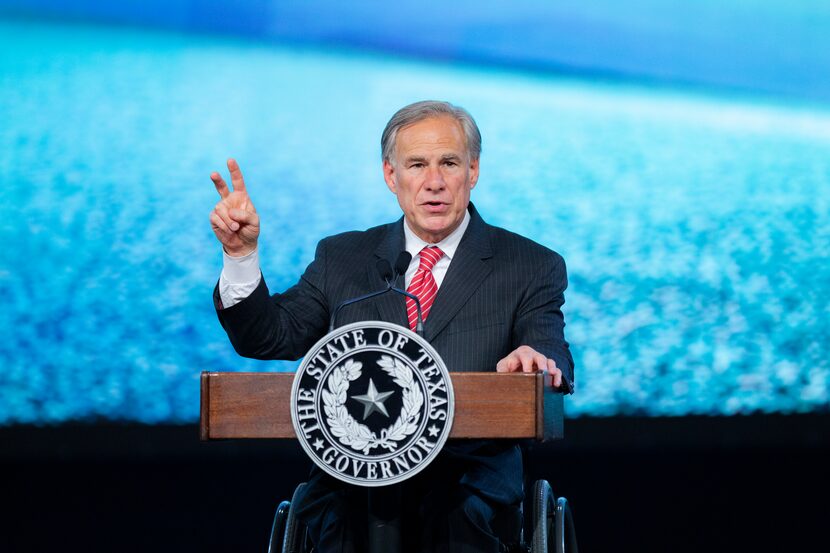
(391,306)
(467,271)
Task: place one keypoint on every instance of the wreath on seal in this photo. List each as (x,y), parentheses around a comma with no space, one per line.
(358,436)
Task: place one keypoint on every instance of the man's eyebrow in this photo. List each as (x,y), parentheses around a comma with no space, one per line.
(423,159)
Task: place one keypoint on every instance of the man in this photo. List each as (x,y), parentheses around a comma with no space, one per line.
(492,301)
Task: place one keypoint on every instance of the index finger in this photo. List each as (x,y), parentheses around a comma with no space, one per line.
(236,176)
(220,185)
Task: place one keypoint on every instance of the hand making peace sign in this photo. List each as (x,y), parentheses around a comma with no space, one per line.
(234,219)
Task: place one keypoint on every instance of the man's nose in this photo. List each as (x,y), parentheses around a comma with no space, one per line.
(435,179)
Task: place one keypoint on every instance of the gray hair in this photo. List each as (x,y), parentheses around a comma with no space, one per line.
(413,113)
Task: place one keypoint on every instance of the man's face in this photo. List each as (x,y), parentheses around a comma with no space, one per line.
(432,176)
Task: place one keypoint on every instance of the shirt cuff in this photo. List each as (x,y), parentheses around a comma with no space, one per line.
(241,270)
(240,277)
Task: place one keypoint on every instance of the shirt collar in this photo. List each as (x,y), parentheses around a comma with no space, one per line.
(448,245)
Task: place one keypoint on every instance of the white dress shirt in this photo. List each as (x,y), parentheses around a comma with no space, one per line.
(241,275)
(448,245)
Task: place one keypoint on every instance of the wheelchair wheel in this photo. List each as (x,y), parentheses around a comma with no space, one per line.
(278,527)
(294,540)
(543,513)
(565,532)
(553,527)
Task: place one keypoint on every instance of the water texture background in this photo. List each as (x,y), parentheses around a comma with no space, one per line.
(696,226)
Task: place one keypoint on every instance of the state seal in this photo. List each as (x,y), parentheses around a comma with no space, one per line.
(372,403)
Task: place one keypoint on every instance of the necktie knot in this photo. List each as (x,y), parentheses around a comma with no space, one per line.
(429,257)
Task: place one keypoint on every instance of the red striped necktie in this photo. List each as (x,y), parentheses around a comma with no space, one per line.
(423,285)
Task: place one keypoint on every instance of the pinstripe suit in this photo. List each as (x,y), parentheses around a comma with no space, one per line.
(500,291)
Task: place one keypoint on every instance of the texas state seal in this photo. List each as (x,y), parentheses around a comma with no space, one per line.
(372,403)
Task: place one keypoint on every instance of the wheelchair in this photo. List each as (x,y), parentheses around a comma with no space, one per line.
(551,525)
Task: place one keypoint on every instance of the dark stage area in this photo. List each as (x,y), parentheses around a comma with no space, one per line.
(756,483)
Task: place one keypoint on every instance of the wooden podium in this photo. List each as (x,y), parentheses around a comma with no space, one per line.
(487,406)
(239,405)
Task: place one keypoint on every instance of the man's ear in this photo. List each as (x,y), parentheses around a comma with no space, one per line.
(389,176)
(473,173)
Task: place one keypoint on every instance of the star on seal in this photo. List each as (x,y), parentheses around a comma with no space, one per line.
(373,400)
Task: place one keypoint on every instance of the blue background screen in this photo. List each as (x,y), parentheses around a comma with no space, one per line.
(679,159)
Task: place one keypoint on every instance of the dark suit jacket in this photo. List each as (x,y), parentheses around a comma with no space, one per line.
(501,291)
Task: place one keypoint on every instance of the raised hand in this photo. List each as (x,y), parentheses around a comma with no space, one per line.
(234,219)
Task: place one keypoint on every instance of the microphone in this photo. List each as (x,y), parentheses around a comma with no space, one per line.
(385,270)
(402,263)
(389,276)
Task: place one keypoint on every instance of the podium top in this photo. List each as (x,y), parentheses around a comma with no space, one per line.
(488,405)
